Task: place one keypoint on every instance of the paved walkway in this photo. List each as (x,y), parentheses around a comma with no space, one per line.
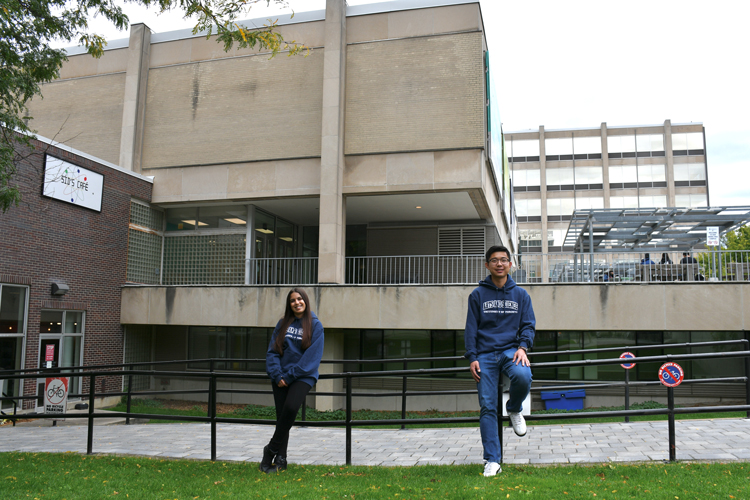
(719,439)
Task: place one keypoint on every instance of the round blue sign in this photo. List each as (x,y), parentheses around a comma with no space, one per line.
(627,355)
(671,374)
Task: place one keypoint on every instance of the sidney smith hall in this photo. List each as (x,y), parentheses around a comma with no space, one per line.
(176,192)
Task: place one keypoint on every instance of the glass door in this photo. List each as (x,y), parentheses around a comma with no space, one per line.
(60,346)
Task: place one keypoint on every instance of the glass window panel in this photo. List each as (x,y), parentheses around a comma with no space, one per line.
(587,145)
(352,350)
(694,140)
(698,200)
(587,203)
(264,223)
(12,309)
(73,321)
(588,175)
(544,341)
(644,173)
(681,172)
(621,143)
(528,208)
(407,344)
(717,367)
(222,217)
(207,342)
(51,322)
(623,202)
(532,177)
(658,173)
(71,356)
(682,200)
(555,238)
(568,341)
(285,235)
(530,237)
(643,142)
(679,142)
(657,142)
(372,348)
(648,371)
(526,147)
(615,174)
(443,345)
(182,219)
(697,171)
(560,146)
(11,353)
(600,340)
(629,173)
(652,201)
(560,176)
(560,206)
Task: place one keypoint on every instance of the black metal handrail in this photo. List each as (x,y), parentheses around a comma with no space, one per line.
(212,376)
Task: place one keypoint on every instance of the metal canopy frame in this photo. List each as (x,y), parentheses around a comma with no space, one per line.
(667,229)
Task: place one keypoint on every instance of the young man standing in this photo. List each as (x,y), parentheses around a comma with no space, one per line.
(500,328)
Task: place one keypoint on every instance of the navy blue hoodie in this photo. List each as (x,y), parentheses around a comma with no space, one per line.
(295,363)
(498,319)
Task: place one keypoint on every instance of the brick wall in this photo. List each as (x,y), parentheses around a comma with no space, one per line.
(415,94)
(46,240)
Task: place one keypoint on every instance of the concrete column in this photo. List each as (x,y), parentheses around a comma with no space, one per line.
(331,250)
(670,163)
(543,196)
(333,349)
(134,102)
(605,165)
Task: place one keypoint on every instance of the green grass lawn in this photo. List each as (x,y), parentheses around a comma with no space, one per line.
(71,476)
(268,412)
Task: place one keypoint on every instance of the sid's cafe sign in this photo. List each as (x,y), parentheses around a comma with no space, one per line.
(72,184)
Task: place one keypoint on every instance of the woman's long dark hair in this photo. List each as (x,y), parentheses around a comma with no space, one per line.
(289,317)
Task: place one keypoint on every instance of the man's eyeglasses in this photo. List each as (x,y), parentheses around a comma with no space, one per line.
(501,261)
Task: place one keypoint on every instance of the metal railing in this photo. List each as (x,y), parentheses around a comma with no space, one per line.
(415,269)
(281,271)
(714,265)
(212,377)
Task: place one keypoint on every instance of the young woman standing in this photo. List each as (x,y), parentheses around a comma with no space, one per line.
(292,362)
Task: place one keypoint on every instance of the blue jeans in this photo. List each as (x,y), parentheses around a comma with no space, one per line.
(491,365)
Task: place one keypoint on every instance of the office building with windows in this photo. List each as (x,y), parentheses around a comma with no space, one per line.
(636,167)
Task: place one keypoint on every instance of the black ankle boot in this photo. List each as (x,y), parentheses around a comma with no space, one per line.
(266,465)
(280,462)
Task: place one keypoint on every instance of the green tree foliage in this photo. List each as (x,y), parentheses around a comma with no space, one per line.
(26,59)
(738,240)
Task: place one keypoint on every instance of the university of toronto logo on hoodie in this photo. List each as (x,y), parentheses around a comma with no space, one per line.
(500,307)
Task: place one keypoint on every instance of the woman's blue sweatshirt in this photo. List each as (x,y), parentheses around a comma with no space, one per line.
(498,319)
(295,363)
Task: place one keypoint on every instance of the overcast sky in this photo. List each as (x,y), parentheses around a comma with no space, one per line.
(565,64)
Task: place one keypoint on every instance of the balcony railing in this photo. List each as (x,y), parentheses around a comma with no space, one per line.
(706,266)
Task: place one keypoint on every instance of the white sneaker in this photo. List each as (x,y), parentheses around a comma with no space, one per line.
(518,423)
(491,469)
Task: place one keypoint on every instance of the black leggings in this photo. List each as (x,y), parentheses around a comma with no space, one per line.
(288,401)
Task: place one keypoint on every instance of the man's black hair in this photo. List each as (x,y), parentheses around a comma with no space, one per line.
(493,249)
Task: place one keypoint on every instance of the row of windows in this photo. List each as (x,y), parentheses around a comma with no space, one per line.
(618,174)
(566,206)
(394,345)
(618,146)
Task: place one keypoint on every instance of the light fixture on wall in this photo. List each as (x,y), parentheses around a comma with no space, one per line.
(59,288)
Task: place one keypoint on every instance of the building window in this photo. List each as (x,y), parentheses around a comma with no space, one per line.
(522,150)
(649,145)
(526,180)
(529,210)
(13,317)
(688,144)
(530,240)
(206,342)
(621,146)
(589,202)
(558,148)
(623,202)
(587,148)
(651,176)
(623,177)
(646,201)
(689,174)
(691,200)
(560,179)
(559,209)
(588,178)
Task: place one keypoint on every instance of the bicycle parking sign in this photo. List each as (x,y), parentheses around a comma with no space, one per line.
(671,374)
(56,395)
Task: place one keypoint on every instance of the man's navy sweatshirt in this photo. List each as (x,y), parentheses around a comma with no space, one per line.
(295,363)
(498,319)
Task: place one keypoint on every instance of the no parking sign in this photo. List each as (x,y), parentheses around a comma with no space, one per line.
(671,374)
(627,355)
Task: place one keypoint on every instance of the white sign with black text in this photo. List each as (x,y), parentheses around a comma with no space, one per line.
(56,395)
(72,184)
(712,236)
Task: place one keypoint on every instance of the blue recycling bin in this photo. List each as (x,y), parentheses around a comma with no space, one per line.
(564,400)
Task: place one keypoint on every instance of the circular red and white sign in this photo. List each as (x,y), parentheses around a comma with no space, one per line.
(671,374)
(627,355)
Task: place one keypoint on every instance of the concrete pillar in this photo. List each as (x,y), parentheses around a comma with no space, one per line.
(670,163)
(605,166)
(333,349)
(331,250)
(134,102)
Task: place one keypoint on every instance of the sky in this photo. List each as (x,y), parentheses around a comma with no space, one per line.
(578,63)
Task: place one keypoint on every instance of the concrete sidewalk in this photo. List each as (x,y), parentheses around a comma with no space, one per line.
(717,439)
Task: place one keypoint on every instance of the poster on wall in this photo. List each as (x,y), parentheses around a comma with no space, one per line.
(70,183)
